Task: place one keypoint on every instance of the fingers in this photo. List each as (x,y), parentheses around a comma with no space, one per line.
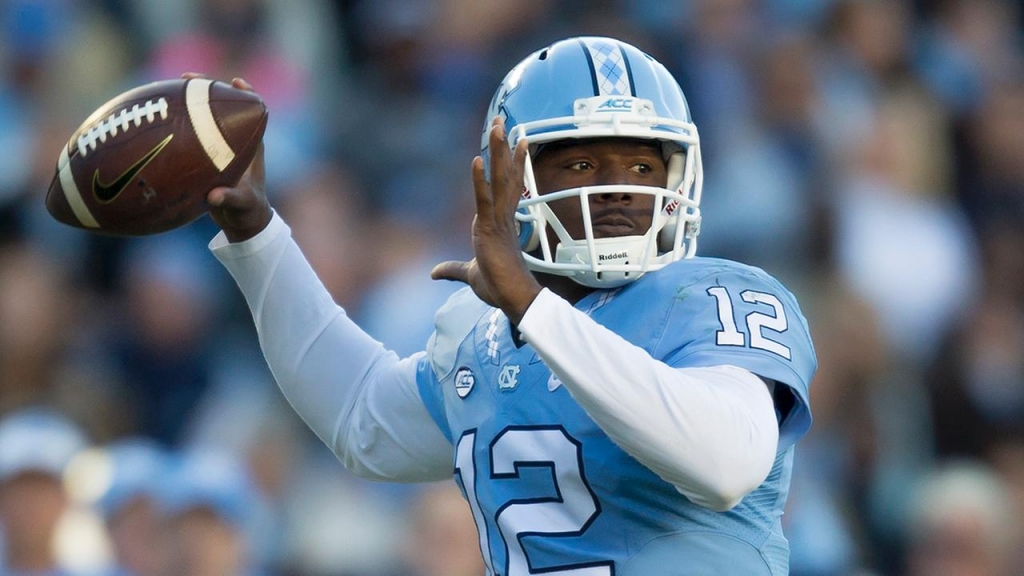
(250,184)
(517,168)
(481,188)
(218,196)
(499,160)
(232,199)
(484,190)
(498,199)
(239,83)
(451,270)
(257,171)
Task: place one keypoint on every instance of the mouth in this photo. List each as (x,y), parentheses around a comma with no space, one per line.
(612,225)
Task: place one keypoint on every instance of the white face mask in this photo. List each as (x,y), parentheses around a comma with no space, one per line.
(612,262)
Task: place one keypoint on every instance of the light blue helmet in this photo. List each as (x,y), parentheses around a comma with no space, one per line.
(592,87)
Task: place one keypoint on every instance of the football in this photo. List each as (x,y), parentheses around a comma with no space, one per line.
(144,161)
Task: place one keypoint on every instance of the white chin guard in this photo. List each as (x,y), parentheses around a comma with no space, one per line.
(604,263)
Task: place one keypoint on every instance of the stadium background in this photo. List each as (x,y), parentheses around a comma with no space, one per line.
(869,153)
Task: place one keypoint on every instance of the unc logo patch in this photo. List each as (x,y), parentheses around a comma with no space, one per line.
(508,378)
(464,381)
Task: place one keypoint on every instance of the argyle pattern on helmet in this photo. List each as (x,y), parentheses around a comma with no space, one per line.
(610,67)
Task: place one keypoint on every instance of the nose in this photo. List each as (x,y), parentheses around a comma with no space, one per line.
(613,197)
(611,176)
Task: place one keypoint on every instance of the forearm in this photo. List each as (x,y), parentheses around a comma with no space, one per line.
(331,371)
(711,432)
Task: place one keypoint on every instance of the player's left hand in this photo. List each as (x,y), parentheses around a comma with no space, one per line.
(498,274)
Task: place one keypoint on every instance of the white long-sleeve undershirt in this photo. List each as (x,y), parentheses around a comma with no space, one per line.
(711,432)
(358,397)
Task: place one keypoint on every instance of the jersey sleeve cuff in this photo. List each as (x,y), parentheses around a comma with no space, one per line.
(543,306)
(225,250)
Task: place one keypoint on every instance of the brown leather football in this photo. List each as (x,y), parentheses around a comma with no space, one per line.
(144,161)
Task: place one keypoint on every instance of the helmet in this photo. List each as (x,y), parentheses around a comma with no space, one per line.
(592,87)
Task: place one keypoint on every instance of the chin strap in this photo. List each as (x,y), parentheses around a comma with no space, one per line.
(602,254)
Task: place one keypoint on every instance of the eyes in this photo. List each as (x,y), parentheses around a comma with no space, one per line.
(567,165)
(586,166)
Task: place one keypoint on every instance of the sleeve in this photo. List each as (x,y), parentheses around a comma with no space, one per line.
(740,316)
(358,397)
(711,432)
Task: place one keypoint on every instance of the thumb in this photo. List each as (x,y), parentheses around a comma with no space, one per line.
(217,196)
(227,198)
(451,270)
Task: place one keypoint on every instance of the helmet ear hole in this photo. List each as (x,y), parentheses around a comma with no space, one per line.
(675,169)
(667,236)
(529,237)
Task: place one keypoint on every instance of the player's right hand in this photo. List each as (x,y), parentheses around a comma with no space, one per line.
(242,211)
(497,274)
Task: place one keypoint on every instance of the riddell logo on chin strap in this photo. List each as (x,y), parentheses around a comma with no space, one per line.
(612,256)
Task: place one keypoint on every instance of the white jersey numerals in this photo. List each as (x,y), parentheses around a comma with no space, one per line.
(530,516)
(757,322)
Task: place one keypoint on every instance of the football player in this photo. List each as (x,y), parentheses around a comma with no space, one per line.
(608,402)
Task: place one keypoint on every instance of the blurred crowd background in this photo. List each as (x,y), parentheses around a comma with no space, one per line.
(869,153)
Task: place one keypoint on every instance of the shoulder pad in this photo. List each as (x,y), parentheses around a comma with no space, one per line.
(452,324)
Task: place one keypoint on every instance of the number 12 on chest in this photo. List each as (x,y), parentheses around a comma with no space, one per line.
(530,511)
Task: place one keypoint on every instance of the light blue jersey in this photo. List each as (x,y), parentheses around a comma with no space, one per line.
(551,493)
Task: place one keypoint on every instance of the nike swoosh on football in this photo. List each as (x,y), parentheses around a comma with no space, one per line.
(106,193)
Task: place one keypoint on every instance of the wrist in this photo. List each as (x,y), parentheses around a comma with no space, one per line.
(517,306)
(240,232)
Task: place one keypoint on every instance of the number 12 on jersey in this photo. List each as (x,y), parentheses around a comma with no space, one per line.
(756,321)
(568,510)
